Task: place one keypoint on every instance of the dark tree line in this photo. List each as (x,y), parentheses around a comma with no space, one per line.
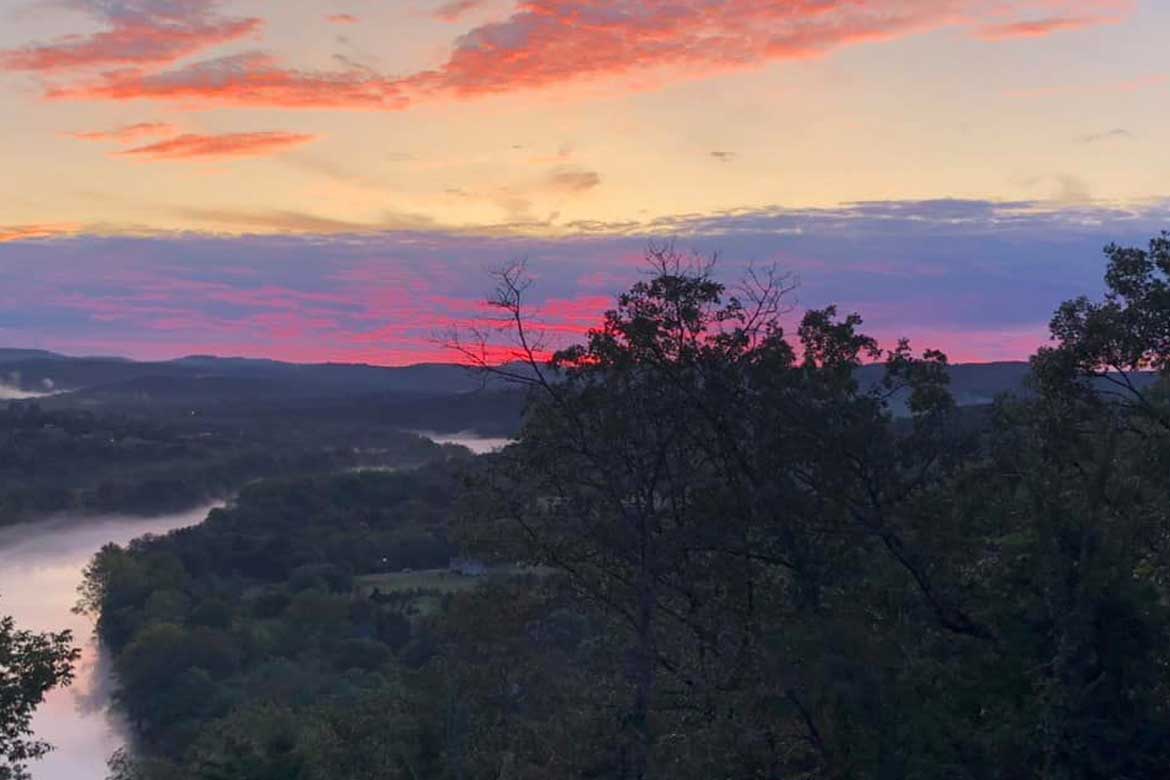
(31,665)
(54,461)
(801,586)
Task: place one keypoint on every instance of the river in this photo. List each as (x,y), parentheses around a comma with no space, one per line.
(480,445)
(40,568)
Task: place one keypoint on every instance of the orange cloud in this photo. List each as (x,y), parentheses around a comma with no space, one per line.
(11,233)
(143,33)
(129,133)
(342,19)
(218,147)
(547,43)
(251,79)
(1038,28)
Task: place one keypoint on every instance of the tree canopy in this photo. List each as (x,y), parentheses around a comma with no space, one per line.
(31,665)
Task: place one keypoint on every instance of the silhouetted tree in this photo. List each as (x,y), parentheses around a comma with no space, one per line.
(31,665)
(706,489)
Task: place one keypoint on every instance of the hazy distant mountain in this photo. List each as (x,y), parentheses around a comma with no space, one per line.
(972,384)
(219,378)
(206,379)
(215,378)
(235,393)
(28,354)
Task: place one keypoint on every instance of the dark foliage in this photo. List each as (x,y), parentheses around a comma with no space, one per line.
(65,460)
(715,553)
(31,664)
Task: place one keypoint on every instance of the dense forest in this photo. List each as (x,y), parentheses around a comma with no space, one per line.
(145,438)
(68,460)
(712,553)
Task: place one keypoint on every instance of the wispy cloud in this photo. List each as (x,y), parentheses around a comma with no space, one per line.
(456,9)
(516,200)
(138,33)
(1039,28)
(300,222)
(1117,133)
(13,233)
(190,146)
(129,133)
(250,79)
(342,19)
(572,180)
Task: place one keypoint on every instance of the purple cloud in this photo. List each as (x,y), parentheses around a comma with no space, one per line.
(976,278)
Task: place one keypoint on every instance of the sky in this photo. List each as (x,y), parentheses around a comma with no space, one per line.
(325,180)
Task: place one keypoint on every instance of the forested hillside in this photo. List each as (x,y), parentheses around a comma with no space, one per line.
(146,438)
(58,461)
(713,552)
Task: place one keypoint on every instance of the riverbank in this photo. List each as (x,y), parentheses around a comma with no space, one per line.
(41,565)
(42,562)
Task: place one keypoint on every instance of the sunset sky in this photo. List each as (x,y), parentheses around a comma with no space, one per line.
(318,180)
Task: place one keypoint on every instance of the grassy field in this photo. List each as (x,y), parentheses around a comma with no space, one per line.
(430,580)
(430,585)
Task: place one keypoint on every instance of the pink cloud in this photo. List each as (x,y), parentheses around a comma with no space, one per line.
(252,79)
(342,19)
(144,33)
(1037,28)
(972,345)
(129,133)
(573,315)
(218,147)
(306,325)
(553,41)
(547,43)
(975,278)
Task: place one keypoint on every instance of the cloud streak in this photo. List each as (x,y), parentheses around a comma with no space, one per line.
(129,133)
(13,233)
(190,146)
(252,79)
(572,181)
(1039,28)
(139,33)
(456,9)
(1117,133)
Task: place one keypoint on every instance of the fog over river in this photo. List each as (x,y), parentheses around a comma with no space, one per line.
(40,568)
(480,445)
